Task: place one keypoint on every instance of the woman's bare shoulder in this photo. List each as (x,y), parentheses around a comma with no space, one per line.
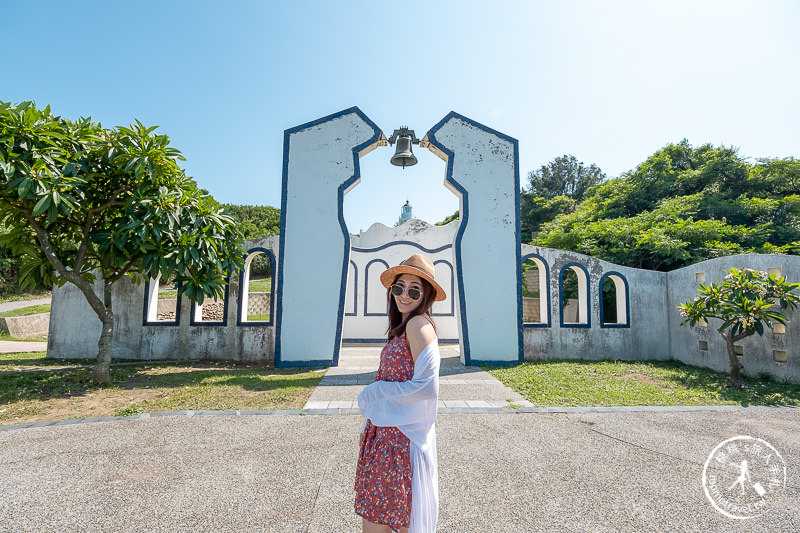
(420,333)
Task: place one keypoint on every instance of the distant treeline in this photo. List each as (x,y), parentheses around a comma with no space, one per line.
(256,220)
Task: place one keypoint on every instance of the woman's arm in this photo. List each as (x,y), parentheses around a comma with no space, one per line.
(419,334)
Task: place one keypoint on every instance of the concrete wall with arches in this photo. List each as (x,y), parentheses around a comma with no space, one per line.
(140,333)
(645,323)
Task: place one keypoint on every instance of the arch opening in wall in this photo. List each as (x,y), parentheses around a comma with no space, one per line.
(573,288)
(535,291)
(375,303)
(212,312)
(386,194)
(257,289)
(162,303)
(446,278)
(614,301)
(365,296)
(351,298)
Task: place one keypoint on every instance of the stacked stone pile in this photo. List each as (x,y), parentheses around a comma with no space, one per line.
(214,312)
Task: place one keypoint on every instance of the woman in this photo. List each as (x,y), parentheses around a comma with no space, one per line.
(396,477)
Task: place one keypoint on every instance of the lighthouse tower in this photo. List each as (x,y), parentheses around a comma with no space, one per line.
(405,214)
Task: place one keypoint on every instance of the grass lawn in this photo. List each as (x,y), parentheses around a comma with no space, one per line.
(144,388)
(260,285)
(25,311)
(5,336)
(616,383)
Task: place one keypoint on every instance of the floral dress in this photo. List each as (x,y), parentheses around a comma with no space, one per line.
(383,474)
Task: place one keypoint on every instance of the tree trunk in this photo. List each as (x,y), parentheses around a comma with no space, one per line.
(102,368)
(735,380)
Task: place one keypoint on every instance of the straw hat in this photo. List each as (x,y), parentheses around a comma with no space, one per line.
(419,266)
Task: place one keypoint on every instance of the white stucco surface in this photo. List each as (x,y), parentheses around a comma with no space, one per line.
(484,164)
(319,161)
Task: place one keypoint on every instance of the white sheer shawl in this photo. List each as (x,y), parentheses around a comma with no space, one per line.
(410,406)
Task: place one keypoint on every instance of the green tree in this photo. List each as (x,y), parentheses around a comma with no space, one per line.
(564,176)
(82,201)
(449,219)
(255,221)
(745,301)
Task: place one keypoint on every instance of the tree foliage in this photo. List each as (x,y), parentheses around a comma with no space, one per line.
(79,200)
(745,302)
(681,206)
(255,221)
(564,176)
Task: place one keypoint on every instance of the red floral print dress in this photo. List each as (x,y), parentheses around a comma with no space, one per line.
(383,474)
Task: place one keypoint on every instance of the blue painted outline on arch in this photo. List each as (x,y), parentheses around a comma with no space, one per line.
(398,243)
(627,323)
(547,284)
(468,361)
(224,321)
(239,310)
(355,290)
(588,302)
(160,323)
(334,361)
(366,288)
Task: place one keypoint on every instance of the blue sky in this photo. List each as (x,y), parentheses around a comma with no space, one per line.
(609,82)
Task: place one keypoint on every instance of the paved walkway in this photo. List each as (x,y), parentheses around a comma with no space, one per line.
(501,469)
(20,346)
(460,387)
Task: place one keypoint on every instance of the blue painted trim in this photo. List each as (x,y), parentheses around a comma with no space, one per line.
(587,303)
(409,243)
(303,364)
(547,291)
(177,320)
(284,200)
(452,288)
(366,289)
(224,321)
(627,323)
(465,221)
(355,291)
(239,310)
(496,363)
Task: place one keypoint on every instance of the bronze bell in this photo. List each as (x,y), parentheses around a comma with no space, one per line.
(403,156)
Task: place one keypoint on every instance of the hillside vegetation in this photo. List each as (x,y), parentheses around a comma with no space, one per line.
(681,206)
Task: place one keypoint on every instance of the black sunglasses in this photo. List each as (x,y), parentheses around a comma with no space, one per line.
(413,292)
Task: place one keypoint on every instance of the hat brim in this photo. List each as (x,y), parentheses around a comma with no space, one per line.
(388,277)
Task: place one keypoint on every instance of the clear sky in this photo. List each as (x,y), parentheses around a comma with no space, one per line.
(609,82)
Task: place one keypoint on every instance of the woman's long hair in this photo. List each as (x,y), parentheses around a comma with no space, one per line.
(396,323)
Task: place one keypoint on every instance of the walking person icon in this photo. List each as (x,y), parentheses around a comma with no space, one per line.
(744,475)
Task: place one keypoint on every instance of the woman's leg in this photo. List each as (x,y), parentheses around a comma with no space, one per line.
(369,527)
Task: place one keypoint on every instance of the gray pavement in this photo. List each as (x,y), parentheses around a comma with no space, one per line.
(501,470)
(20,346)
